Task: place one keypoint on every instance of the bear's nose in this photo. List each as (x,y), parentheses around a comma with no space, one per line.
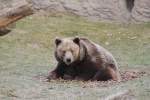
(68,60)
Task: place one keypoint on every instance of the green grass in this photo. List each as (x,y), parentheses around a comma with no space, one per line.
(27,52)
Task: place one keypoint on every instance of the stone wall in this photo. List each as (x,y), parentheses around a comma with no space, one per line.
(104,10)
(108,10)
(141,11)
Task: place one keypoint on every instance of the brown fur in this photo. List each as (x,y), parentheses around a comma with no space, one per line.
(93,63)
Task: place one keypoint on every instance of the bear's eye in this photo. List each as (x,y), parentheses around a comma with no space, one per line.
(63,51)
(71,51)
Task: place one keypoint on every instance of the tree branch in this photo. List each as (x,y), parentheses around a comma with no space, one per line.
(11,15)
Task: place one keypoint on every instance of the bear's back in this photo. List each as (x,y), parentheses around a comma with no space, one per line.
(97,52)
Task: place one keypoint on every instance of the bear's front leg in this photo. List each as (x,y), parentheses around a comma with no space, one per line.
(57,73)
(97,76)
(69,73)
(53,75)
(68,77)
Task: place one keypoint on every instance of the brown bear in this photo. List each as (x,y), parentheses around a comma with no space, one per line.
(80,58)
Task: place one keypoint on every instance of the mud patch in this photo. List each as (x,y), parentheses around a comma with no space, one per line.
(125,76)
(130,75)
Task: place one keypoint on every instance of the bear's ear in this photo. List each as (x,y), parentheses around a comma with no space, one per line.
(76,40)
(58,41)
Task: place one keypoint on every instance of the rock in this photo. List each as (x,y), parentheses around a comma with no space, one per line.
(99,10)
(107,10)
(141,11)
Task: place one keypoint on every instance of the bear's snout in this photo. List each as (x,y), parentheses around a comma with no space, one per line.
(68,60)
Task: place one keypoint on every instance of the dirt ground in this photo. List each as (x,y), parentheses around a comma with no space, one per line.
(124,77)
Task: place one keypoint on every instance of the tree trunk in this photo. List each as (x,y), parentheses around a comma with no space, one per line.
(9,16)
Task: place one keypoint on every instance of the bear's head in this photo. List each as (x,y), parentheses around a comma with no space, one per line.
(68,50)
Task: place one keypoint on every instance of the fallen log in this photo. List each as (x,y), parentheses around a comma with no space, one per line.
(11,15)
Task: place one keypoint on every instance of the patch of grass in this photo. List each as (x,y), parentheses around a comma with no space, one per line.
(27,52)
(121,39)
